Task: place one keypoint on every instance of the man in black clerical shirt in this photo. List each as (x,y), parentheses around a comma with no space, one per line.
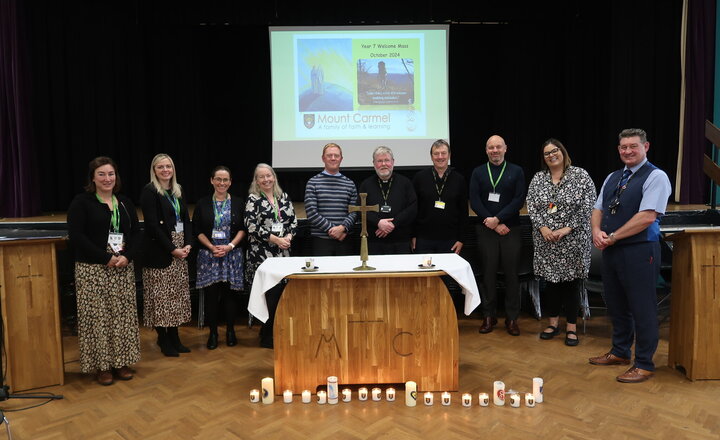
(389,229)
(497,192)
(442,205)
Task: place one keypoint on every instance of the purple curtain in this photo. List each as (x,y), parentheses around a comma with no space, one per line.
(18,197)
(699,78)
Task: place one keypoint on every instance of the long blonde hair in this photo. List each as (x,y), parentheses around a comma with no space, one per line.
(255,189)
(175,188)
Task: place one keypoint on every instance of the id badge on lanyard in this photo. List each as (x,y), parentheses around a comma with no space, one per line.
(494,197)
(115,241)
(179,227)
(218,234)
(277,229)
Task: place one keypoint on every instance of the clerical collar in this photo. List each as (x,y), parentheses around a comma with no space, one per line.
(338,174)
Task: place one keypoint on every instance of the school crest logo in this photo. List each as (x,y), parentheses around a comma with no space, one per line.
(309,120)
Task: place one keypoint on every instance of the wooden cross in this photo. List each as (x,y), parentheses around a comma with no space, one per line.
(364,209)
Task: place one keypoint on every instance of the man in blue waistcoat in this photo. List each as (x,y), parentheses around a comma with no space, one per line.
(626,227)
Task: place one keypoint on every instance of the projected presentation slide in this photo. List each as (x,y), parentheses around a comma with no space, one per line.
(360,87)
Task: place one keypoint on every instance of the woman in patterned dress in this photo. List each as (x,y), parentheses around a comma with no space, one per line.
(105,234)
(559,201)
(166,246)
(218,223)
(270,223)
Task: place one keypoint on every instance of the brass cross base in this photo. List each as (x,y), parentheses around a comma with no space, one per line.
(364,267)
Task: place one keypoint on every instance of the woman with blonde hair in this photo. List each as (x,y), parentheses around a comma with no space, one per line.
(270,222)
(166,244)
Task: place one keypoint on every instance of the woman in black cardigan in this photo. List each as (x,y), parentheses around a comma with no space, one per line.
(218,225)
(105,235)
(166,246)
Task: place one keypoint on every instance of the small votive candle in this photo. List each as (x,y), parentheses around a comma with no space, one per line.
(376,394)
(322,397)
(362,393)
(484,399)
(346,395)
(287,396)
(390,394)
(428,398)
(515,400)
(254,396)
(427,260)
(268,390)
(309,263)
(445,398)
(529,400)
(306,396)
(467,399)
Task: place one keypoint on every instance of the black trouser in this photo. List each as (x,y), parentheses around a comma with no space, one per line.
(214,295)
(329,247)
(386,247)
(565,294)
(503,251)
(272,298)
(434,246)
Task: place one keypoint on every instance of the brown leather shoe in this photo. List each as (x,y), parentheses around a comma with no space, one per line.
(488,325)
(124,373)
(608,359)
(104,378)
(635,375)
(512,328)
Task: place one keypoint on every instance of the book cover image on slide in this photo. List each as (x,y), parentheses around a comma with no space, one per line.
(389,81)
(324,74)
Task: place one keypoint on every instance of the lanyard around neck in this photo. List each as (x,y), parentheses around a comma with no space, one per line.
(494,183)
(115,218)
(175,204)
(219,213)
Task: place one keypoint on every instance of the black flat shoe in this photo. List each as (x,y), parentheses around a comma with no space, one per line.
(212,342)
(545,335)
(231,338)
(571,342)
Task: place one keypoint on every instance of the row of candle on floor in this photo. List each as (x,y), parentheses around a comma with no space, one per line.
(331,396)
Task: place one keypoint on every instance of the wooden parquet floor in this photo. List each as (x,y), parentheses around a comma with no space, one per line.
(204,395)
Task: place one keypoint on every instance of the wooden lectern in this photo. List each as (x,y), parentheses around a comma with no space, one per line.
(366,328)
(695,316)
(30,314)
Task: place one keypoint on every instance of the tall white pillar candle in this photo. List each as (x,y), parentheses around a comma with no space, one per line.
(268,390)
(538,385)
(332,390)
(499,393)
(410,393)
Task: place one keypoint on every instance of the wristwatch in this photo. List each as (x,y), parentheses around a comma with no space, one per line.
(612,235)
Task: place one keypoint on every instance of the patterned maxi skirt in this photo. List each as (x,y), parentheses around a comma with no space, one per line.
(108,333)
(167,292)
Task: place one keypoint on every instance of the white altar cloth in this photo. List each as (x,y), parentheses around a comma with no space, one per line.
(273,270)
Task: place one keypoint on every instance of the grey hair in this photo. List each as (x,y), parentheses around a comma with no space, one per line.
(382,150)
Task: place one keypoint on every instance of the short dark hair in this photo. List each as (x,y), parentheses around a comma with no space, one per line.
(632,132)
(97,163)
(220,168)
(566,157)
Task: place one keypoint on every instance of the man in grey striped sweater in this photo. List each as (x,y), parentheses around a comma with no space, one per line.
(327,196)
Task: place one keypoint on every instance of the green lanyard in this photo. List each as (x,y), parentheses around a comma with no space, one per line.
(218,214)
(115,218)
(175,204)
(275,209)
(494,183)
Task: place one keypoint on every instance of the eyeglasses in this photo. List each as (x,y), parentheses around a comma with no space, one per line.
(551,152)
(221,179)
